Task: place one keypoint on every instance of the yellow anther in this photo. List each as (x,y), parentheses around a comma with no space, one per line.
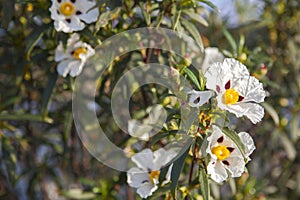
(78,52)
(231,96)
(221,152)
(67,8)
(154,175)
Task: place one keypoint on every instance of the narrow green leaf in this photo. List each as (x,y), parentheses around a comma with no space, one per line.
(272,112)
(33,39)
(192,29)
(236,139)
(193,78)
(48,92)
(7,12)
(197,17)
(204,185)
(230,40)
(209,3)
(176,171)
(25,117)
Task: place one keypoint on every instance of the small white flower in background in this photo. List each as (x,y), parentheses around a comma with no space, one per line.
(69,14)
(225,155)
(145,177)
(237,91)
(72,60)
(198,98)
(211,55)
(146,128)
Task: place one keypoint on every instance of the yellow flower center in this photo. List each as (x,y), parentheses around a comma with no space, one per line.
(78,51)
(230,96)
(221,152)
(154,175)
(67,8)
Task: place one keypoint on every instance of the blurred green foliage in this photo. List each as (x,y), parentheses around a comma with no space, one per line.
(41,156)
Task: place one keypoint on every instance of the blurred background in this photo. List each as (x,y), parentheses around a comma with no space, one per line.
(41,156)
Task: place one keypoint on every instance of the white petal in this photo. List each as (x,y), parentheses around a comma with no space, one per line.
(136,177)
(138,130)
(163,157)
(255,91)
(198,98)
(236,165)
(168,175)
(146,190)
(74,38)
(217,171)
(76,68)
(90,16)
(251,110)
(144,159)
(59,52)
(248,143)
(212,55)
(63,68)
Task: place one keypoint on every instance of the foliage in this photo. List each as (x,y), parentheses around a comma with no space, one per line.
(43,157)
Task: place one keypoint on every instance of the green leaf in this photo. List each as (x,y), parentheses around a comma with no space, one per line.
(272,112)
(230,40)
(193,78)
(235,138)
(176,171)
(204,185)
(7,12)
(25,117)
(197,17)
(209,4)
(33,39)
(192,29)
(48,92)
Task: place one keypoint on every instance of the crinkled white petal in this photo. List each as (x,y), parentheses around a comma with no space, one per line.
(163,157)
(236,165)
(255,91)
(252,111)
(59,52)
(248,143)
(73,39)
(137,177)
(168,175)
(64,67)
(90,16)
(146,190)
(198,98)
(139,130)
(212,55)
(144,159)
(74,25)
(217,171)
(76,69)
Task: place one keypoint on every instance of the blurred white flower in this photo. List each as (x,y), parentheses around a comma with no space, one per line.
(145,177)
(237,91)
(198,98)
(225,155)
(72,60)
(146,128)
(211,55)
(69,14)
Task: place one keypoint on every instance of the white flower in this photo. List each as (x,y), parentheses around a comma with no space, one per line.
(237,91)
(72,60)
(211,55)
(146,128)
(225,155)
(198,98)
(69,14)
(145,177)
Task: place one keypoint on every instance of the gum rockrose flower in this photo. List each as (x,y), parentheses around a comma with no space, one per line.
(237,91)
(145,177)
(226,156)
(72,60)
(70,15)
